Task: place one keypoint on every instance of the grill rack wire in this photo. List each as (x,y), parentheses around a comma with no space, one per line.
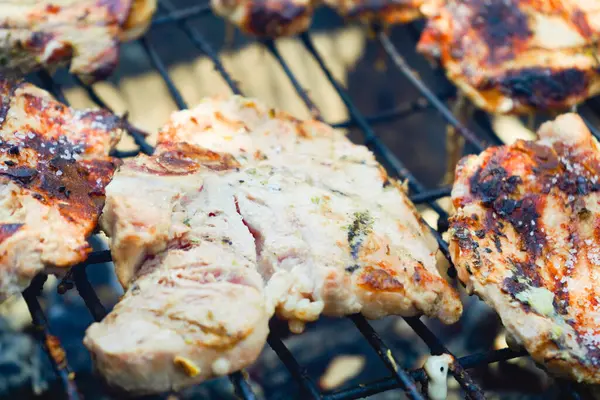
(399,377)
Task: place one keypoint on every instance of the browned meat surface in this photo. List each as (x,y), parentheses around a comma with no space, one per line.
(54,166)
(267,18)
(387,12)
(245,208)
(515,56)
(83,33)
(526,239)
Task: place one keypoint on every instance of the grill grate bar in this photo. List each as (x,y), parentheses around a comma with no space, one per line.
(201,44)
(298,372)
(402,111)
(87,293)
(401,64)
(385,354)
(390,383)
(437,347)
(431,195)
(314,111)
(164,73)
(183,14)
(50,343)
(241,386)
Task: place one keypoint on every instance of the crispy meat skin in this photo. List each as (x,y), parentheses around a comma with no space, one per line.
(247,208)
(516,56)
(85,33)
(526,239)
(388,12)
(267,18)
(54,166)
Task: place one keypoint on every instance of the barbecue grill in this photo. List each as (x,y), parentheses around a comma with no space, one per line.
(397,377)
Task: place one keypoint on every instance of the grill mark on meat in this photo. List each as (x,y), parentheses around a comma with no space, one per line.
(503,25)
(543,88)
(7,230)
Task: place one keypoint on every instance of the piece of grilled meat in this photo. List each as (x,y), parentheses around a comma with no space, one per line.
(525,238)
(54,165)
(267,18)
(242,212)
(385,12)
(516,56)
(83,33)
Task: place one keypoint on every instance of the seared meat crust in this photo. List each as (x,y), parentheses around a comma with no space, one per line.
(85,33)
(267,18)
(386,12)
(54,165)
(244,211)
(525,238)
(517,56)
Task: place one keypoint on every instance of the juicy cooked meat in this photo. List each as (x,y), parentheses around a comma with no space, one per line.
(388,12)
(515,56)
(85,33)
(526,239)
(246,208)
(54,166)
(267,18)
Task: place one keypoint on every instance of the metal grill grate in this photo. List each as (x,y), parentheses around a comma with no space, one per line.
(399,377)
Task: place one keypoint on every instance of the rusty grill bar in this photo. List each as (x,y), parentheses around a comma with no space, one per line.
(399,378)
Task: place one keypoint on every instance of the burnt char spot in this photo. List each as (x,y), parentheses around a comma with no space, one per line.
(266,18)
(542,87)
(498,243)
(527,271)
(488,184)
(7,230)
(502,25)
(465,240)
(379,280)
(352,268)
(524,217)
(21,174)
(513,286)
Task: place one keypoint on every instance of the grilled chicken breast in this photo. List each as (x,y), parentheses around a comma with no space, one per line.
(246,208)
(387,12)
(525,239)
(54,165)
(516,56)
(85,33)
(267,18)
